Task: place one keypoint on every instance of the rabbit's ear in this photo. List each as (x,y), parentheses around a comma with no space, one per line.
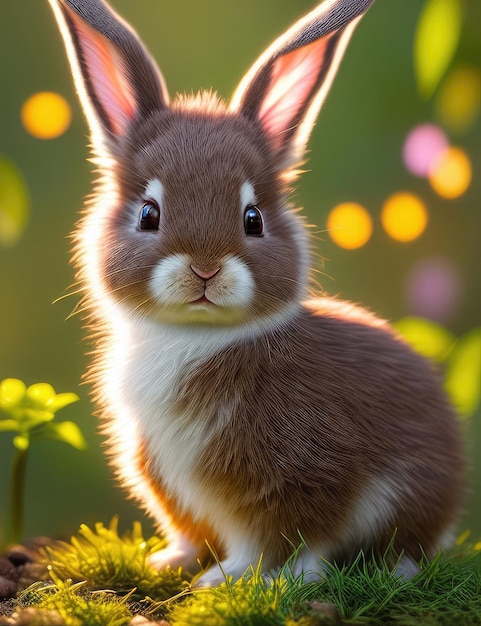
(287,85)
(115,77)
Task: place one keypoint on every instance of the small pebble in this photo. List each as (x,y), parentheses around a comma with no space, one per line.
(140,620)
(19,555)
(29,616)
(328,611)
(8,579)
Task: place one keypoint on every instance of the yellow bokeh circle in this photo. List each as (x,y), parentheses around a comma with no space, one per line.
(46,115)
(451,173)
(349,225)
(404,216)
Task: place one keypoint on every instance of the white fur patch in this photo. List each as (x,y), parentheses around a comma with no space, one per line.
(406,568)
(236,285)
(235,566)
(171,281)
(247,195)
(141,369)
(155,191)
(179,553)
(448,538)
(309,564)
(374,509)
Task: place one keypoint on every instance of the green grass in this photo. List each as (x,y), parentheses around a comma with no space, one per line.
(119,583)
(447,591)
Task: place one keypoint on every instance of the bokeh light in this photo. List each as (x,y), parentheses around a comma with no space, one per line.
(426,336)
(349,225)
(436,39)
(459,101)
(451,173)
(404,216)
(14,203)
(434,289)
(422,145)
(46,115)
(464,373)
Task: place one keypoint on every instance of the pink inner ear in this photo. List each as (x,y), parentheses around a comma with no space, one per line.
(293,77)
(106,75)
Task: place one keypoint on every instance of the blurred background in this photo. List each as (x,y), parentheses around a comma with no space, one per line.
(393,186)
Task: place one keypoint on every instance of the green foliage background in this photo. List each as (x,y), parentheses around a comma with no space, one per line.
(355,155)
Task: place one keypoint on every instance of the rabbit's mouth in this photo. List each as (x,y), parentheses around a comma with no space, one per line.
(203,300)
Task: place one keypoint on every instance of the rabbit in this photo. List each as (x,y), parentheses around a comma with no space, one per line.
(244,411)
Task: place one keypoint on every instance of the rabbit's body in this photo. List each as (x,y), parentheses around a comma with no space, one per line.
(184,399)
(237,412)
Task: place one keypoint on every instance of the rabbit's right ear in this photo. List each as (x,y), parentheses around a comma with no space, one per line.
(286,87)
(115,76)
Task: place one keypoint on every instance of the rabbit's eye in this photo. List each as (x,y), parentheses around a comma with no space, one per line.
(149,216)
(253,222)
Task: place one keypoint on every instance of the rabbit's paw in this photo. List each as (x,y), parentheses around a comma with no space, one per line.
(406,568)
(212,577)
(179,554)
(308,565)
(230,569)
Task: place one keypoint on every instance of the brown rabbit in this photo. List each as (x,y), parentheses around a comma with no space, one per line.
(236,411)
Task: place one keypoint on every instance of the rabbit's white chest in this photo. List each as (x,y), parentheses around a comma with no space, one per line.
(144,369)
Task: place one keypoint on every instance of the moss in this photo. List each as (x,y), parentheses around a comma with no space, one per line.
(105,560)
(67,604)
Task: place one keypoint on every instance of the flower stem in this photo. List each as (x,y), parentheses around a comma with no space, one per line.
(19,465)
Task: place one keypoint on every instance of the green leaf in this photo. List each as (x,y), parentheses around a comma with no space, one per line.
(463,376)
(68,432)
(61,400)
(14,203)
(437,36)
(8,424)
(426,337)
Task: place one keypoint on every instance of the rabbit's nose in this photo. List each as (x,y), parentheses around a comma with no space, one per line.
(205,275)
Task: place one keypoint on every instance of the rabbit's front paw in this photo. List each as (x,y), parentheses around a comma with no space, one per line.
(180,553)
(230,569)
(406,568)
(212,577)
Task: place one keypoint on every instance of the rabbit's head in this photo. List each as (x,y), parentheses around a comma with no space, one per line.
(190,222)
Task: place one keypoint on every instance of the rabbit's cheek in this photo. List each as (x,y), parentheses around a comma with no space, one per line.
(173,282)
(233,286)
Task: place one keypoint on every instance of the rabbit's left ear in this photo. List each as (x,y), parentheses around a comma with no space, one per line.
(117,80)
(287,85)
